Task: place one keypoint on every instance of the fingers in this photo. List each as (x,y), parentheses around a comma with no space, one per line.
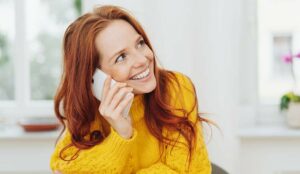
(105,103)
(106,87)
(123,104)
(114,102)
(119,96)
(112,92)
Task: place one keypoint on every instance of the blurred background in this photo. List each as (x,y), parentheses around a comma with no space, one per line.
(242,55)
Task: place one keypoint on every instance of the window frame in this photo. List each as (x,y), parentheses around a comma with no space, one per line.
(22,105)
(252,112)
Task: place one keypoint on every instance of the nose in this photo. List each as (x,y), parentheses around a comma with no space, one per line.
(139,60)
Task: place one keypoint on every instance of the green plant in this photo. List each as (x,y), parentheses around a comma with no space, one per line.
(287,98)
(290,96)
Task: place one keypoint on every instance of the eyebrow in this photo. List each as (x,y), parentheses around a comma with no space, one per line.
(118,52)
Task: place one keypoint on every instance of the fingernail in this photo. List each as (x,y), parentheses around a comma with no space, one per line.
(129,95)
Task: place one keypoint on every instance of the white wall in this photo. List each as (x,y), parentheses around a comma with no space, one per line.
(269,155)
(216,73)
(26,153)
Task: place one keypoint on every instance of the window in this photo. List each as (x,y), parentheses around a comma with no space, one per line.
(278,34)
(44,42)
(7,34)
(31,34)
(269,30)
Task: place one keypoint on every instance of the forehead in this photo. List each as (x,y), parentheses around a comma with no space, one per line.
(116,36)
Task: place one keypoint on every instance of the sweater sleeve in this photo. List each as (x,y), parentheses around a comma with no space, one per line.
(110,156)
(176,158)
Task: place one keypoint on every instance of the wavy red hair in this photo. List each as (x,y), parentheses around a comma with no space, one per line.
(75,105)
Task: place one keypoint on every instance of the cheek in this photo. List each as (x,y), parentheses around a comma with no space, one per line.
(120,73)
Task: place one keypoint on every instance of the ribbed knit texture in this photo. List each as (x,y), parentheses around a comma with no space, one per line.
(140,154)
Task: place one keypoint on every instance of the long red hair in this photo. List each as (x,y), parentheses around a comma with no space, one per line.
(75,104)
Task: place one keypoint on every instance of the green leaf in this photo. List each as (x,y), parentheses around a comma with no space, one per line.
(287,98)
(284,102)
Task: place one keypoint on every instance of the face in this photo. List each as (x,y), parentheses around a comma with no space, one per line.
(125,56)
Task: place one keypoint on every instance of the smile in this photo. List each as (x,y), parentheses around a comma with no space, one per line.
(142,75)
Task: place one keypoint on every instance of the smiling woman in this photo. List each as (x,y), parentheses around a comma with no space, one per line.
(133,64)
(163,131)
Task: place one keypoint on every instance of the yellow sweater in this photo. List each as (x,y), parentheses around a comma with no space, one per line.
(140,154)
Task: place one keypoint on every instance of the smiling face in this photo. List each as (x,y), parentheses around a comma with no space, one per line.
(125,56)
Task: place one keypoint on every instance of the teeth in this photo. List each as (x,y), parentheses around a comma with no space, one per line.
(142,75)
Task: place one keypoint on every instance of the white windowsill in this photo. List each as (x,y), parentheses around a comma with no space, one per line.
(17,133)
(268,131)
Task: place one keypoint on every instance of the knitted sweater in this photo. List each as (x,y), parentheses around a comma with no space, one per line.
(140,154)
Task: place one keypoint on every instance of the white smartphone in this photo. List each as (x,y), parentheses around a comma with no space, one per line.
(97,86)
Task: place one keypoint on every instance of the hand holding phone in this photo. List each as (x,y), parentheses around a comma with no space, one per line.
(99,78)
(115,104)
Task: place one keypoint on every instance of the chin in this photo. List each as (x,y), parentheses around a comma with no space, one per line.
(144,90)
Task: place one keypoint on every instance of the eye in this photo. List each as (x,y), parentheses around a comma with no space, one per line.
(120,58)
(141,43)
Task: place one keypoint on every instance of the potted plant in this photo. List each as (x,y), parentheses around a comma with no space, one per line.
(290,102)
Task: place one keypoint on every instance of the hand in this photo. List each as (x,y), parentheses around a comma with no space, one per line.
(114,101)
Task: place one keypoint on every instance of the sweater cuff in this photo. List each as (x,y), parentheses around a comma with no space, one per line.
(118,146)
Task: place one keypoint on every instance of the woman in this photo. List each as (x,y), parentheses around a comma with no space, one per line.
(161,134)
